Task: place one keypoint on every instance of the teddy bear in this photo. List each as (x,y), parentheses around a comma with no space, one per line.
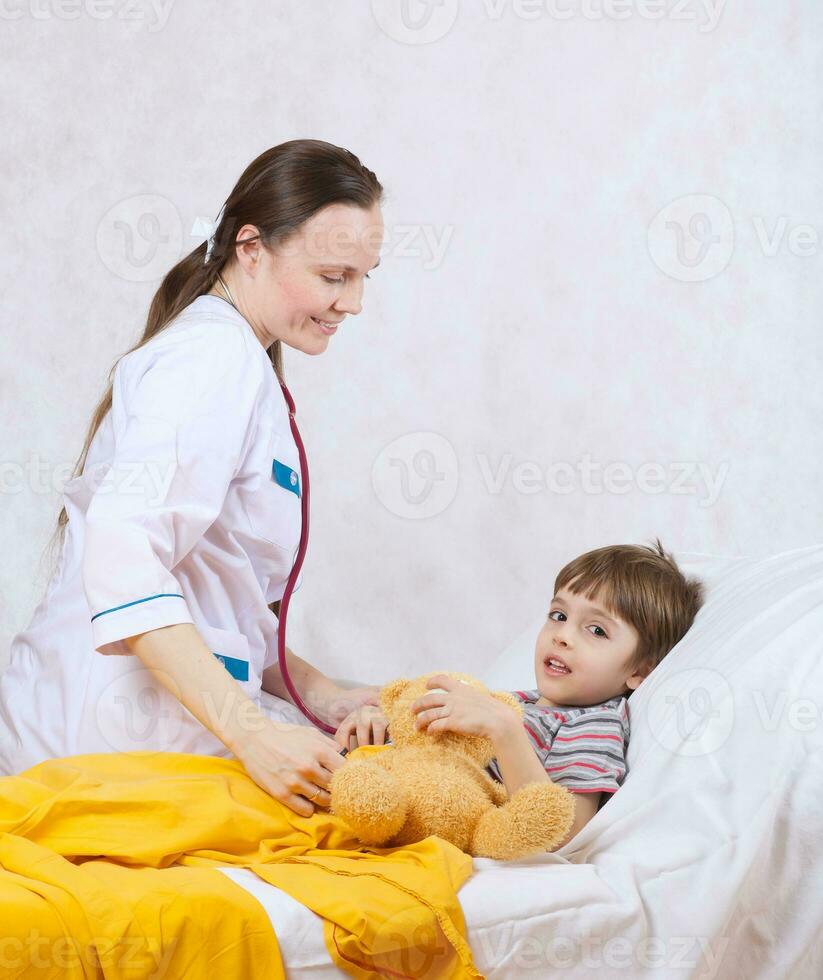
(424,784)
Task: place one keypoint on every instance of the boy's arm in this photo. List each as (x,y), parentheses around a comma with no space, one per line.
(585,807)
(519,764)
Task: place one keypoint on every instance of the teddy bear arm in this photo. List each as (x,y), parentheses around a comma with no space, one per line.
(536,818)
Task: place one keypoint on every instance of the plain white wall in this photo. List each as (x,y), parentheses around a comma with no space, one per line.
(604,229)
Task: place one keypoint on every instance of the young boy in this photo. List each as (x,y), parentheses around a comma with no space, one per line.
(616,612)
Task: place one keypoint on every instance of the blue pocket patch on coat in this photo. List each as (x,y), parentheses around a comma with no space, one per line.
(239,669)
(284,476)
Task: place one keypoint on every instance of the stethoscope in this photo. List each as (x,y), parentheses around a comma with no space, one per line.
(298,561)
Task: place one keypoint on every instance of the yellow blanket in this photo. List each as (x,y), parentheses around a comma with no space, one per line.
(107,869)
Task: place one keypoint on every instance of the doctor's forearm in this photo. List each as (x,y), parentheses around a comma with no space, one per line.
(180,660)
(312,686)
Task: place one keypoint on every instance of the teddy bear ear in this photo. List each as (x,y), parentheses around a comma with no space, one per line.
(390,692)
(507,698)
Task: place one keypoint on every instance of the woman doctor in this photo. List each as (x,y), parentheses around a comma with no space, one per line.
(157,630)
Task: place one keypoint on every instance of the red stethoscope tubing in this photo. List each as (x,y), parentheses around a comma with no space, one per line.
(295,571)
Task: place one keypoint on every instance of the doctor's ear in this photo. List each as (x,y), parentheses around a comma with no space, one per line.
(248,244)
(391,692)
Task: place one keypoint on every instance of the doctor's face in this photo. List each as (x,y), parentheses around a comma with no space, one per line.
(595,646)
(300,290)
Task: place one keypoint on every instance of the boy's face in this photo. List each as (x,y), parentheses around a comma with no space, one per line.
(595,646)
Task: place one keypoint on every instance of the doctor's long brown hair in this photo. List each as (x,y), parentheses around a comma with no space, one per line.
(278,191)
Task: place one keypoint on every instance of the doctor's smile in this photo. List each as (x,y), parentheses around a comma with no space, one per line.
(327,326)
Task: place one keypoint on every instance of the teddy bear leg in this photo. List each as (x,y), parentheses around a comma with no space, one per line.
(370,799)
(536,818)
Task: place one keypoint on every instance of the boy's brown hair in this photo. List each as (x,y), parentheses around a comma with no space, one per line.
(642,586)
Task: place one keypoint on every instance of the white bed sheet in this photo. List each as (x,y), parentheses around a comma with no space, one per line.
(708,862)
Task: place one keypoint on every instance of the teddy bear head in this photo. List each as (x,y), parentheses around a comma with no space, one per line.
(397,697)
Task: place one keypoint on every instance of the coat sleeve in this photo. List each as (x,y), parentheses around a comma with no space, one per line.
(181,426)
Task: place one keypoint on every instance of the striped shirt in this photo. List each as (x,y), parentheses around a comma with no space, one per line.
(581,748)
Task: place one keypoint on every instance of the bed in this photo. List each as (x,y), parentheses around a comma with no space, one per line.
(708,862)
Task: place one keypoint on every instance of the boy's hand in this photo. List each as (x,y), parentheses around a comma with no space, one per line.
(462,708)
(365,725)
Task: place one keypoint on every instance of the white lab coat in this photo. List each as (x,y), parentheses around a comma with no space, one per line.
(177,518)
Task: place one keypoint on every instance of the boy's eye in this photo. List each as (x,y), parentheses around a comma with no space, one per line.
(557,612)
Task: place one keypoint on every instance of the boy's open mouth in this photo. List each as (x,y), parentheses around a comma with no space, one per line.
(554,665)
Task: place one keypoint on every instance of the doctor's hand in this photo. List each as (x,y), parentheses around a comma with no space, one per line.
(342,702)
(292,763)
(364,726)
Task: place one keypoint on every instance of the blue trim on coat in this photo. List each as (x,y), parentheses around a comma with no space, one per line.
(160,595)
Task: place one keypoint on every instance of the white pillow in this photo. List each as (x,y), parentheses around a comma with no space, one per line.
(713,845)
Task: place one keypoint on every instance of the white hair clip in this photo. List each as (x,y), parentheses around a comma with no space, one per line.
(206,228)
